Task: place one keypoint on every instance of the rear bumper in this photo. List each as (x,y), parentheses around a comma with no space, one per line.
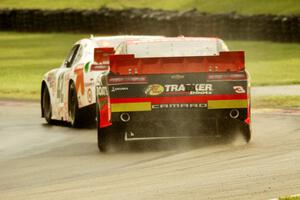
(180,123)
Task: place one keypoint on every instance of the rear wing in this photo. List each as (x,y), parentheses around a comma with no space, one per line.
(101,58)
(231,61)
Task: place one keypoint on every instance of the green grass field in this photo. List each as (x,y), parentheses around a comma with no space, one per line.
(276,102)
(25,57)
(212,6)
(290,198)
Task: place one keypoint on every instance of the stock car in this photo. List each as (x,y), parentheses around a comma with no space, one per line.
(68,92)
(164,88)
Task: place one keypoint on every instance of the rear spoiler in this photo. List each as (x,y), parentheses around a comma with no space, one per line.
(101,58)
(231,61)
(101,55)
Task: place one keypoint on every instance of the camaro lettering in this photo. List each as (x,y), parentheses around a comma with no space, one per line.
(179,105)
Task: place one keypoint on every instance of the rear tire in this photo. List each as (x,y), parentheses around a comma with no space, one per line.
(110,138)
(73,107)
(235,128)
(246,132)
(47,108)
(103,139)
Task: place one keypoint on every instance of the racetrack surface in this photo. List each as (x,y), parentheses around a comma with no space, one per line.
(38,161)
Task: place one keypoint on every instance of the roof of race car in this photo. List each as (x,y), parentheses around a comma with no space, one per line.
(114,41)
(172,47)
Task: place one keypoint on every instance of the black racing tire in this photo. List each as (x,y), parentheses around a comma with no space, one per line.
(103,139)
(235,128)
(73,107)
(111,138)
(46,106)
(246,132)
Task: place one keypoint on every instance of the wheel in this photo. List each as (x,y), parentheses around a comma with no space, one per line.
(246,132)
(110,138)
(73,107)
(103,139)
(233,129)
(47,108)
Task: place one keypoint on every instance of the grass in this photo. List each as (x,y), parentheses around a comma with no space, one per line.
(271,63)
(25,57)
(290,198)
(212,6)
(276,102)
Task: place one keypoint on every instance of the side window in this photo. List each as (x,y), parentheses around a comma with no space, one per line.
(71,57)
(79,55)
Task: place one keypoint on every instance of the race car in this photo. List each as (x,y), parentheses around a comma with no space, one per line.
(167,88)
(68,92)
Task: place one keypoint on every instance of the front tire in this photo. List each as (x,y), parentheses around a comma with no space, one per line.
(47,108)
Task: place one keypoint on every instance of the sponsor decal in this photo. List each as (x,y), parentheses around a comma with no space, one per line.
(177,76)
(59,92)
(154,90)
(51,81)
(79,79)
(239,89)
(179,105)
(127,80)
(87,67)
(89,84)
(102,91)
(116,89)
(89,95)
(199,88)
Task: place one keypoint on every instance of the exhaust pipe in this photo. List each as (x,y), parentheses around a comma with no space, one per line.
(125,117)
(234,113)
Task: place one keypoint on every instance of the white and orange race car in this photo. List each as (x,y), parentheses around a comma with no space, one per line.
(68,92)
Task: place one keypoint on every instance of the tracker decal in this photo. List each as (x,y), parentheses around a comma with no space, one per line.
(154,89)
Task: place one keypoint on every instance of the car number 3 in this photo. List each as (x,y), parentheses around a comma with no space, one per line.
(239,89)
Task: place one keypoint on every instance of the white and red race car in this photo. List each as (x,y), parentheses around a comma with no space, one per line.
(68,92)
(173,88)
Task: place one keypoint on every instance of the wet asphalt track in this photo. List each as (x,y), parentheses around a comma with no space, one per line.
(38,161)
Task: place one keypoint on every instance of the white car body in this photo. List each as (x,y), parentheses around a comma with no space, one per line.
(78,71)
(172,47)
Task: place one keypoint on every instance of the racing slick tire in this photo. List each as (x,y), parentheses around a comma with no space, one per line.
(246,132)
(46,106)
(73,107)
(235,129)
(110,138)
